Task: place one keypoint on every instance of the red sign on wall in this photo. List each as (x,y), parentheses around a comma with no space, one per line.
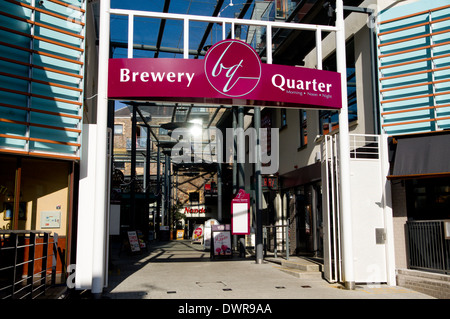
(240,213)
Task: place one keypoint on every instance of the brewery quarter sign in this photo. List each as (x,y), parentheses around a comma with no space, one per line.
(230,74)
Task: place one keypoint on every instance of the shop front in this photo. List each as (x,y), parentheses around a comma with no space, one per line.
(36,196)
(302,190)
(422,206)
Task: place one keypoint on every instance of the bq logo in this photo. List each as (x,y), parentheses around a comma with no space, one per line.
(232,68)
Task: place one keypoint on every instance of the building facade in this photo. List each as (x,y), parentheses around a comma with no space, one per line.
(397,58)
(397,81)
(46,95)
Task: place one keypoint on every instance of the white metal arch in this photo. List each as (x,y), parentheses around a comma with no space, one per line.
(91,272)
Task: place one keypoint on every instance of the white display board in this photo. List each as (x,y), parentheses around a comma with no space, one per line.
(240,218)
(240,213)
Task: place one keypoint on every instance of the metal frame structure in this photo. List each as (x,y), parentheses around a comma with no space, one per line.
(97,261)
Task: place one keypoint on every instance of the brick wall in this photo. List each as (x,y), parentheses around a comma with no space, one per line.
(436,285)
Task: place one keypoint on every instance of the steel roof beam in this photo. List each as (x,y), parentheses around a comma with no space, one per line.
(161,28)
(209,27)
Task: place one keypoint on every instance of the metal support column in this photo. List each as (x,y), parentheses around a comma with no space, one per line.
(258,188)
(344,155)
(235,182)
(219,191)
(240,141)
(241,148)
(147,178)
(158,187)
(133,170)
(165,219)
(99,260)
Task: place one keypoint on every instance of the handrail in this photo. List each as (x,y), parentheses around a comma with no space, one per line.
(285,239)
(23,279)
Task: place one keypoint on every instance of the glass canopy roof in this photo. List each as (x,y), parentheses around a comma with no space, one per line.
(156,38)
(159,38)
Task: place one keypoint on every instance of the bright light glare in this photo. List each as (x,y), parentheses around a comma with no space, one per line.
(196,128)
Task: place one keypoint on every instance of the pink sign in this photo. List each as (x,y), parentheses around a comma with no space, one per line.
(240,213)
(230,74)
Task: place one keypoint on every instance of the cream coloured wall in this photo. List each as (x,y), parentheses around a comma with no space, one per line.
(290,155)
(44,187)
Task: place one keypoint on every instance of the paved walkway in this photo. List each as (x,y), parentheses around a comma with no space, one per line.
(182,270)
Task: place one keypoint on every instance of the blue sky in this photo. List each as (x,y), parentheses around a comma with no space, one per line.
(146,30)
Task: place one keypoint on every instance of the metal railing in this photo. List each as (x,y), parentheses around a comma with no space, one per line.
(24,263)
(429,245)
(271,240)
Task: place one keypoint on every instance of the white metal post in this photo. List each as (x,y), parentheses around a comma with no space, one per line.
(344,155)
(387,208)
(186,39)
(319,49)
(100,205)
(130,35)
(269,44)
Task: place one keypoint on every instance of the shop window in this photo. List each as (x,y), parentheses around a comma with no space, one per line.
(329,120)
(194,197)
(283,8)
(118,129)
(428,198)
(30,191)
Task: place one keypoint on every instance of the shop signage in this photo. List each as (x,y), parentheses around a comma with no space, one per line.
(240,213)
(197,234)
(134,241)
(231,73)
(50,219)
(221,240)
(207,233)
(197,211)
(270,182)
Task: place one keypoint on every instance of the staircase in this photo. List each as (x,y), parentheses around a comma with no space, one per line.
(298,267)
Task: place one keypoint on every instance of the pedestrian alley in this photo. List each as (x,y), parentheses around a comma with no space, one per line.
(183,270)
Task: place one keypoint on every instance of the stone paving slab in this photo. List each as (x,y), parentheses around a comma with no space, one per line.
(181,270)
